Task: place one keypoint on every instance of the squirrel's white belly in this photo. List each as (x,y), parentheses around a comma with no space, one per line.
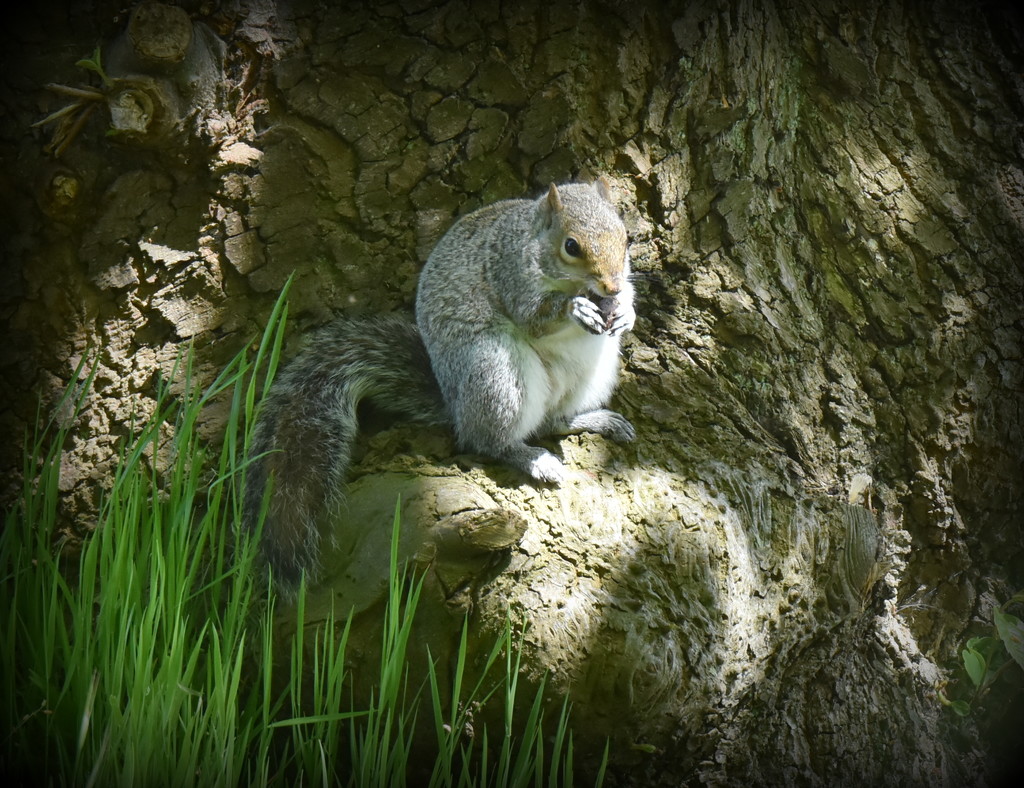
(568,372)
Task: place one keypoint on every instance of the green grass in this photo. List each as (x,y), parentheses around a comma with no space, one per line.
(146,659)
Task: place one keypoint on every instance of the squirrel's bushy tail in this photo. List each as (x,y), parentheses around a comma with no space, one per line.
(303,438)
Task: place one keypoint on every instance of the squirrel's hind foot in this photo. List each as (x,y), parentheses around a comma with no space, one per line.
(602,421)
(547,468)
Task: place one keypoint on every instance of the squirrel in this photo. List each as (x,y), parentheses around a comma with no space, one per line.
(520,310)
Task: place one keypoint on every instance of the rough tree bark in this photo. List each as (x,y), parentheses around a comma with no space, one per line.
(826,204)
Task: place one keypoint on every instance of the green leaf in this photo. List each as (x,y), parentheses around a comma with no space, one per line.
(90,63)
(975,665)
(1011,632)
(983,645)
(95,64)
(961,707)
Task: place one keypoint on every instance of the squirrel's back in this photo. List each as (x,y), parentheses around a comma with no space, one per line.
(456,282)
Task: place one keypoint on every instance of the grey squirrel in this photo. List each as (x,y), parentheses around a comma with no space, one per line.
(519,314)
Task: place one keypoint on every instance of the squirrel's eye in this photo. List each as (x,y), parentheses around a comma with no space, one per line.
(572,248)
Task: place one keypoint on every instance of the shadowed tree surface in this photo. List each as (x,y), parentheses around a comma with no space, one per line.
(826,206)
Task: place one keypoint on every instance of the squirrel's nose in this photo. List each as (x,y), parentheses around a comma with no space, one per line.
(610,285)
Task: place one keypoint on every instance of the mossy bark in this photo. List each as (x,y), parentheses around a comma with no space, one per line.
(826,205)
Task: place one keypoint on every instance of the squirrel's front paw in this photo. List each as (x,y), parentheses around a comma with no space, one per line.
(620,318)
(589,315)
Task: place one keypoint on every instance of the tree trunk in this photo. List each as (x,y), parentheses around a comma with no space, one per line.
(826,206)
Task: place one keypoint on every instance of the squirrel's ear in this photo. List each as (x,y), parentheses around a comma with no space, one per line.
(604,188)
(554,201)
